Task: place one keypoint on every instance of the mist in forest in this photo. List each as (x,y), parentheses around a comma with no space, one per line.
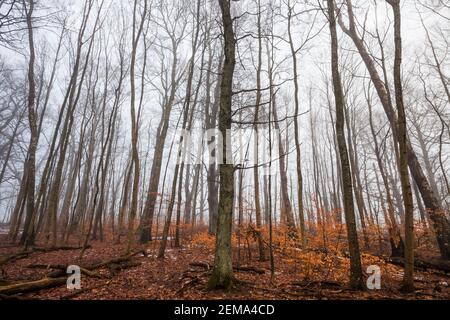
(255,130)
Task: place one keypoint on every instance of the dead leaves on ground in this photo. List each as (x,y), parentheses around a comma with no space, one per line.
(183,274)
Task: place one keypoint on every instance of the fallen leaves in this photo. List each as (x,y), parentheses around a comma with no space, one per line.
(184,274)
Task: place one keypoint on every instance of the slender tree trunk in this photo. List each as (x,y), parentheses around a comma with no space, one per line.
(134,123)
(356,276)
(28,231)
(161,135)
(296,138)
(222,276)
(441,224)
(256,142)
(408,278)
(395,238)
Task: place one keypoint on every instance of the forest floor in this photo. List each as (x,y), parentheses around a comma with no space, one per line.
(183,274)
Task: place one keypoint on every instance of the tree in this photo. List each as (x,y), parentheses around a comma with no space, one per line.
(30,167)
(408,279)
(170,87)
(296,135)
(222,275)
(256,140)
(437,213)
(137,31)
(70,101)
(356,276)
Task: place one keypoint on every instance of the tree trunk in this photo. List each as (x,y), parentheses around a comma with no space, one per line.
(134,124)
(290,219)
(256,143)
(437,214)
(408,278)
(28,231)
(222,276)
(356,276)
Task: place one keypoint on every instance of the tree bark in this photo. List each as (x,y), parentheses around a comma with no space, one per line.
(408,278)
(356,276)
(441,224)
(222,276)
(29,232)
(290,219)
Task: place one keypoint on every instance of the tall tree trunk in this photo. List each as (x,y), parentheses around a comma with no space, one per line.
(296,137)
(356,276)
(256,141)
(161,135)
(134,123)
(441,224)
(353,155)
(395,238)
(222,275)
(408,278)
(28,231)
(72,97)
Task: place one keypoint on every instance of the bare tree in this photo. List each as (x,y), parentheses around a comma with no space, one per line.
(356,276)
(440,223)
(222,276)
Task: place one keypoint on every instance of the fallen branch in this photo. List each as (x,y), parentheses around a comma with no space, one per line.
(12,297)
(203,265)
(436,264)
(321,284)
(25,287)
(194,280)
(207,266)
(4,282)
(64,248)
(62,269)
(113,261)
(58,277)
(14,257)
(249,269)
(115,267)
(80,291)
(24,254)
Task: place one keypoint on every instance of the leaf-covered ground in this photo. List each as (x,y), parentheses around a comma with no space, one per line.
(299,274)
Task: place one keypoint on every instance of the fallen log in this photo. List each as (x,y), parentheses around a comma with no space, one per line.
(207,266)
(14,257)
(321,284)
(24,254)
(249,269)
(4,282)
(419,263)
(58,248)
(203,265)
(58,277)
(61,270)
(113,261)
(435,264)
(80,291)
(12,297)
(31,286)
(116,267)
